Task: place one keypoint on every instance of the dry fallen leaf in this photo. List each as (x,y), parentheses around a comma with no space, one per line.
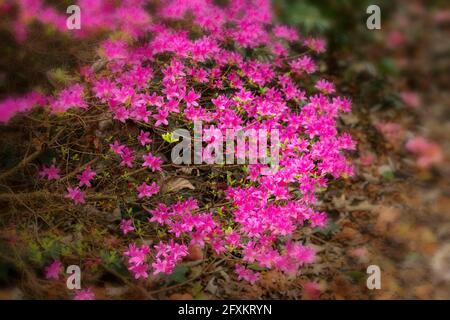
(176,184)
(195,253)
(181,296)
(386,216)
(441,263)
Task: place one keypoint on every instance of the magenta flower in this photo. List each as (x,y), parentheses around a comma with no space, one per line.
(127,158)
(137,255)
(161,117)
(144,138)
(86,176)
(76,195)
(167,256)
(316,44)
(191,98)
(70,97)
(325,86)
(146,190)
(152,162)
(139,271)
(126,226)
(52,271)
(121,114)
(84,294)
(52,172)
(117,148)
(246,274)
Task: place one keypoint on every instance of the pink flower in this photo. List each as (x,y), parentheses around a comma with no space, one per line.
(70,97)
(144,138)
(366,159)
(395,39)
(303,64)
(318,219)
(84,294)
(390,130)
(117,148)
(161,117)
(52,271)
(146,190)
(290,34)
(52,172)
(167,256)
(152,162)
(411,99)
(137,255)
(316,44)
(136,260)
(246,274)
(127,156)
(428,153)
(312,290)
(325,86)
(191,98)
(121,114)
(76,195)
(86,176)
(139,271)
(126,226)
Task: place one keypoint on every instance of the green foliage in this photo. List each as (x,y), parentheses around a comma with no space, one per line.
(169,137)
(179,274)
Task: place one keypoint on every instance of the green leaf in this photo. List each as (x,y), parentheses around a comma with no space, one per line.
(169,137)
(179,274)
(328,230)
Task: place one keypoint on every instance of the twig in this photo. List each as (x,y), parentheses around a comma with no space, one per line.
(45,194)
(22,163)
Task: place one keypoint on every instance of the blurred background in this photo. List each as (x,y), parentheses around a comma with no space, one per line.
(395,212)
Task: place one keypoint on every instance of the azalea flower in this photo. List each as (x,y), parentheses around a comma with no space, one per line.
(325,86)
(76,195)
(84,294)
(52,172)
(126,226)
(191,98)
(152,162)
(53,270)
(86,176)
(246,274)
(146,190)
(428,153)
(144,138)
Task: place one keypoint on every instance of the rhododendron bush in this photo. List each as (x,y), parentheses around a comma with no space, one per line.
(164,65)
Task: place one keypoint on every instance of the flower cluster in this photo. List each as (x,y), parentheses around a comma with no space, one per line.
(84,179)
(231,68)
(128,16)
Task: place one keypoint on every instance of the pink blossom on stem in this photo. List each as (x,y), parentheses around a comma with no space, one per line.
(145,190)
(86,176)
(126,226)
(84,294)
(76,195)
(144,138)
(52,172)
(53,270)
(152,162)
